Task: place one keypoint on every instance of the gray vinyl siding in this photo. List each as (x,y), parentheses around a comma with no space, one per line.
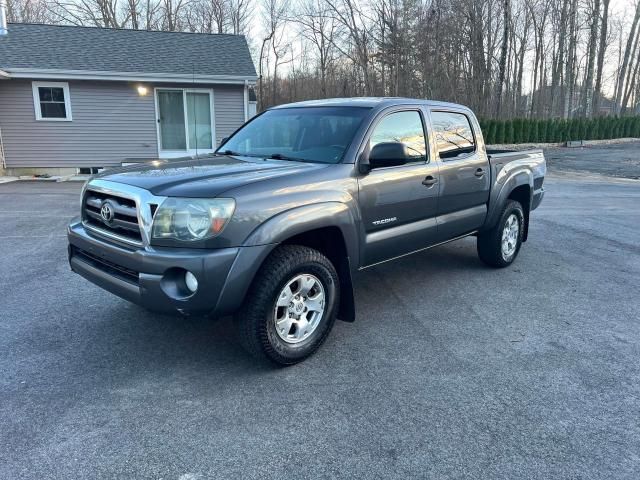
(111,123)
(228,106)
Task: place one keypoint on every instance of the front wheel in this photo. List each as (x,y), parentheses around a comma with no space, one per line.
(499,246)
(291,305)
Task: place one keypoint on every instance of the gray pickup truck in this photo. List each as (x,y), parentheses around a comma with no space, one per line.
(273,225)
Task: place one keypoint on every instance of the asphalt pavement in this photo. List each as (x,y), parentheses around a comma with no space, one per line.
(616,160)
(451,370)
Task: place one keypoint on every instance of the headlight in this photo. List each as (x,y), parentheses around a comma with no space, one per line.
(191,219)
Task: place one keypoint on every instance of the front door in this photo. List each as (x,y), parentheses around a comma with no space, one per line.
(399,204)
(185,122)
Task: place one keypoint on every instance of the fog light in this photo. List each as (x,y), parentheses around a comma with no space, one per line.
(191,281)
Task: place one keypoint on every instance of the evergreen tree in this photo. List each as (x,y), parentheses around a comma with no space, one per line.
(574,129)
(619,127)
(508,131)
(594,133)
(583,130)
(499,132)
(563,130)
(543,131)
(491,132)
(534,138)
(601,127)
(635,130)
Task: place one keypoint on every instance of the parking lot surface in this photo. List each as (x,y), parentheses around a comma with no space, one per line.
(616,160)
(451,370)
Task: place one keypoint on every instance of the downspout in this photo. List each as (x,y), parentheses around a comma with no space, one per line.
(246,96)
(3,18)
(3,160)
(3,32)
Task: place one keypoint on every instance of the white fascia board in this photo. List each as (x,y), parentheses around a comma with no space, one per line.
(4,75)
(36,73)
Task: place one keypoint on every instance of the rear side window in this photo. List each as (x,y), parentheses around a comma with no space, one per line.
(453,134)
(403,127)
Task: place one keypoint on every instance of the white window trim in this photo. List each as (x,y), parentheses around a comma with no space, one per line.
(36,100)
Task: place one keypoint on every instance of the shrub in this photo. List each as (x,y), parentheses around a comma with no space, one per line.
(531,130)
(499,132)
(508,131)
(490,132)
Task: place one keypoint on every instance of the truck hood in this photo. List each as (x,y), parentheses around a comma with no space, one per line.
(203,177)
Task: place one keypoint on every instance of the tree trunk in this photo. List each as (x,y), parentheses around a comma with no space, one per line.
(625,61)
(503,55)
(587,105)
(601,52)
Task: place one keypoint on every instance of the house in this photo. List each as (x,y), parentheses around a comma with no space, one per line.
(84,97)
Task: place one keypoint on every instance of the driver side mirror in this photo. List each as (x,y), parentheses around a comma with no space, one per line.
(388,154)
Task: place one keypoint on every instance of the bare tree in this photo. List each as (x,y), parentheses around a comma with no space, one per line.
(504,49)
(29,11)
(239,13)
(632,42)
(354,20)
(587,104)
(319,27)
(506,58)
(602,48)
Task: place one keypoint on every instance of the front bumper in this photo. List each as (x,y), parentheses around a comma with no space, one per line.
(153,277)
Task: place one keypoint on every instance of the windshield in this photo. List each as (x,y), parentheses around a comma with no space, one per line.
(311,134)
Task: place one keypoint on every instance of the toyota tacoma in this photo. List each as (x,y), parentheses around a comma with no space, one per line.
(272,226)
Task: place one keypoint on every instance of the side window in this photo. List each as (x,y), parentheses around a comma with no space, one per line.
(403,127)
(453,134)
(51,101)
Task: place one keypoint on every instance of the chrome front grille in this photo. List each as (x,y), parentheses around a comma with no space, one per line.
(119,212)
(121,218)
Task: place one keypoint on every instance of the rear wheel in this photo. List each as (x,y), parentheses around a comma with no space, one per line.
(499,246)
(291,305)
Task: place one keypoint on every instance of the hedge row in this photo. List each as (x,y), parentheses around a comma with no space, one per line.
(526,130)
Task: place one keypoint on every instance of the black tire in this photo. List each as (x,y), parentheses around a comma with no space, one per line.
(490,242)
(256,320)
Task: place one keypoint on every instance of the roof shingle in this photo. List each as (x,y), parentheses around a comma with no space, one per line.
(56,47)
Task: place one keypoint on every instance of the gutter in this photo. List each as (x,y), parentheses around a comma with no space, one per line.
(36,73)
(4,75)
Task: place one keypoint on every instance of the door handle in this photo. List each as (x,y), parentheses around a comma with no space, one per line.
(479,172)
(430,181)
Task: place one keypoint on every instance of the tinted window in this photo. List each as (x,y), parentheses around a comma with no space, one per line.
(403,127)
(314,134)
(453,134)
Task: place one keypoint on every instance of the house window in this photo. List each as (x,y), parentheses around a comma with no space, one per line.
(51,101)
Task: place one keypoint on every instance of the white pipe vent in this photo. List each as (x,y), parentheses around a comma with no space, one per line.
(3,18)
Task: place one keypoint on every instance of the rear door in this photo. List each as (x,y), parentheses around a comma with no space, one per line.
(399,204)
(465,177)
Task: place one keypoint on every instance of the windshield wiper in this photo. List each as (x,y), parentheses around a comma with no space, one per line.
(227,152)
(273,156)
(280,156)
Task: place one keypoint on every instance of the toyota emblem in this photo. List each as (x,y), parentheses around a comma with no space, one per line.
(106,212)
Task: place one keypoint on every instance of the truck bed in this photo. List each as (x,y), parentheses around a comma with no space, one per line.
(529,160)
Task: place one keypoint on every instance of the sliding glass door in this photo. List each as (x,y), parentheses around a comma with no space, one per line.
(185,122)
